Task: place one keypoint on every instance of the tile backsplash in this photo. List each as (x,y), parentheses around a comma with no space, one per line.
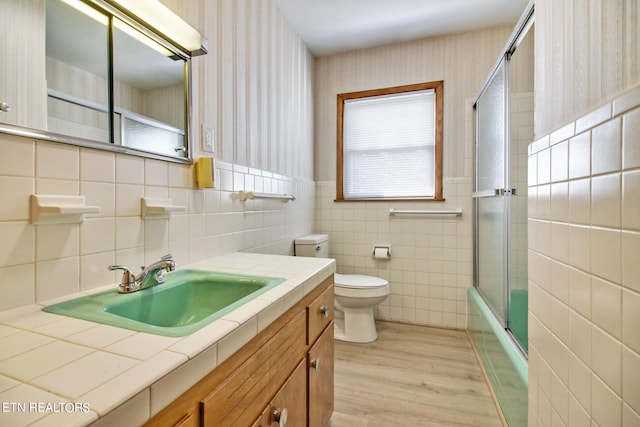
(41,262)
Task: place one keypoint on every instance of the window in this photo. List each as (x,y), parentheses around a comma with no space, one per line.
(390,143)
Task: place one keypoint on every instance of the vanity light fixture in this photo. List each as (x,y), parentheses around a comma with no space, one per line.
(158,16)
(154,14)
(125,28)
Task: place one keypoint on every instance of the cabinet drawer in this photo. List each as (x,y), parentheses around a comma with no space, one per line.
(256,381)
(319,314)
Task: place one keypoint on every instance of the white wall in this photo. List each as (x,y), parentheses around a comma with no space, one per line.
(25,96)
(254,89)
(584,210)
(587,52)
(431,264)
(255,85)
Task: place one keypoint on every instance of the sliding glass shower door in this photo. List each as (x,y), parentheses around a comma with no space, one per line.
(489,195)
(504,129)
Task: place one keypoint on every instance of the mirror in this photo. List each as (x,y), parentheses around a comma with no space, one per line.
(76,71)
(149,94)
(131,97)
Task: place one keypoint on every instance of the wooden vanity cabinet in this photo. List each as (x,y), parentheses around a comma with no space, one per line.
(277,369)
(258,379)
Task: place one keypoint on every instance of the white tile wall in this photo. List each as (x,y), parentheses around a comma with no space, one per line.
(583,314)
(431,262)
(49,261)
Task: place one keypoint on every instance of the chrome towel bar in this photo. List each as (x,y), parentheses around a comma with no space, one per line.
(250,195)
(455,212)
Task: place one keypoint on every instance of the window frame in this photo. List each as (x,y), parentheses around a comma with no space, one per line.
(438,87)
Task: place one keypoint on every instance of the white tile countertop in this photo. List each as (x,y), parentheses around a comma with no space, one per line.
(57,370)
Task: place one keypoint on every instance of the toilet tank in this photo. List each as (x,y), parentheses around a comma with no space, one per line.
(313,245)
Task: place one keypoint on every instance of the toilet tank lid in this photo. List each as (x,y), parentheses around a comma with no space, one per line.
(312,239)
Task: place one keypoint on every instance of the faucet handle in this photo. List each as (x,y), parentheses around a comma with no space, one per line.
(119,267)
(170,264)
(128,278)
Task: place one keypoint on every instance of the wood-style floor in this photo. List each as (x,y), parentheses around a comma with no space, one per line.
(411,376)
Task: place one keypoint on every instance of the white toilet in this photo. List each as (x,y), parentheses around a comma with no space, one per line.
(355,295)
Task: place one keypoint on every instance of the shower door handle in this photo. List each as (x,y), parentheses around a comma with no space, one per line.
(493,192)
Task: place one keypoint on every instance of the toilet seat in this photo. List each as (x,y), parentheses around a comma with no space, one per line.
(357,281)
(358,286)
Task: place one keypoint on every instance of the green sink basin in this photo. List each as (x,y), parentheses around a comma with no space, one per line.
(184,303)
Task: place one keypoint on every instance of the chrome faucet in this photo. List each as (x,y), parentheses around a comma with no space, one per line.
(149,276)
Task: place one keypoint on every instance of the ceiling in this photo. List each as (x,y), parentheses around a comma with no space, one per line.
(333,26)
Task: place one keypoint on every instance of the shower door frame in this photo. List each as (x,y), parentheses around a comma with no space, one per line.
(505,191)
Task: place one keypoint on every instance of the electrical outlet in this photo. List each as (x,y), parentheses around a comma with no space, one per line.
(207,139)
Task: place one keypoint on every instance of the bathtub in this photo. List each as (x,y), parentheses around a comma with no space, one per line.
(501,359)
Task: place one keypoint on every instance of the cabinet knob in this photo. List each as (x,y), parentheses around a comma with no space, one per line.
(315,364)
(325,310)
(280,417)
(4,107)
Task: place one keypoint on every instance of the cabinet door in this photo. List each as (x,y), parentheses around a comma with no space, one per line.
(319,314)
(320,363)
(289,406)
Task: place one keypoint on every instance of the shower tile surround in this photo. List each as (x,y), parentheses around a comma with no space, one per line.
(584,287)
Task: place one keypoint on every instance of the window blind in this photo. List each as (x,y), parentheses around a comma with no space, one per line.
(389,146)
